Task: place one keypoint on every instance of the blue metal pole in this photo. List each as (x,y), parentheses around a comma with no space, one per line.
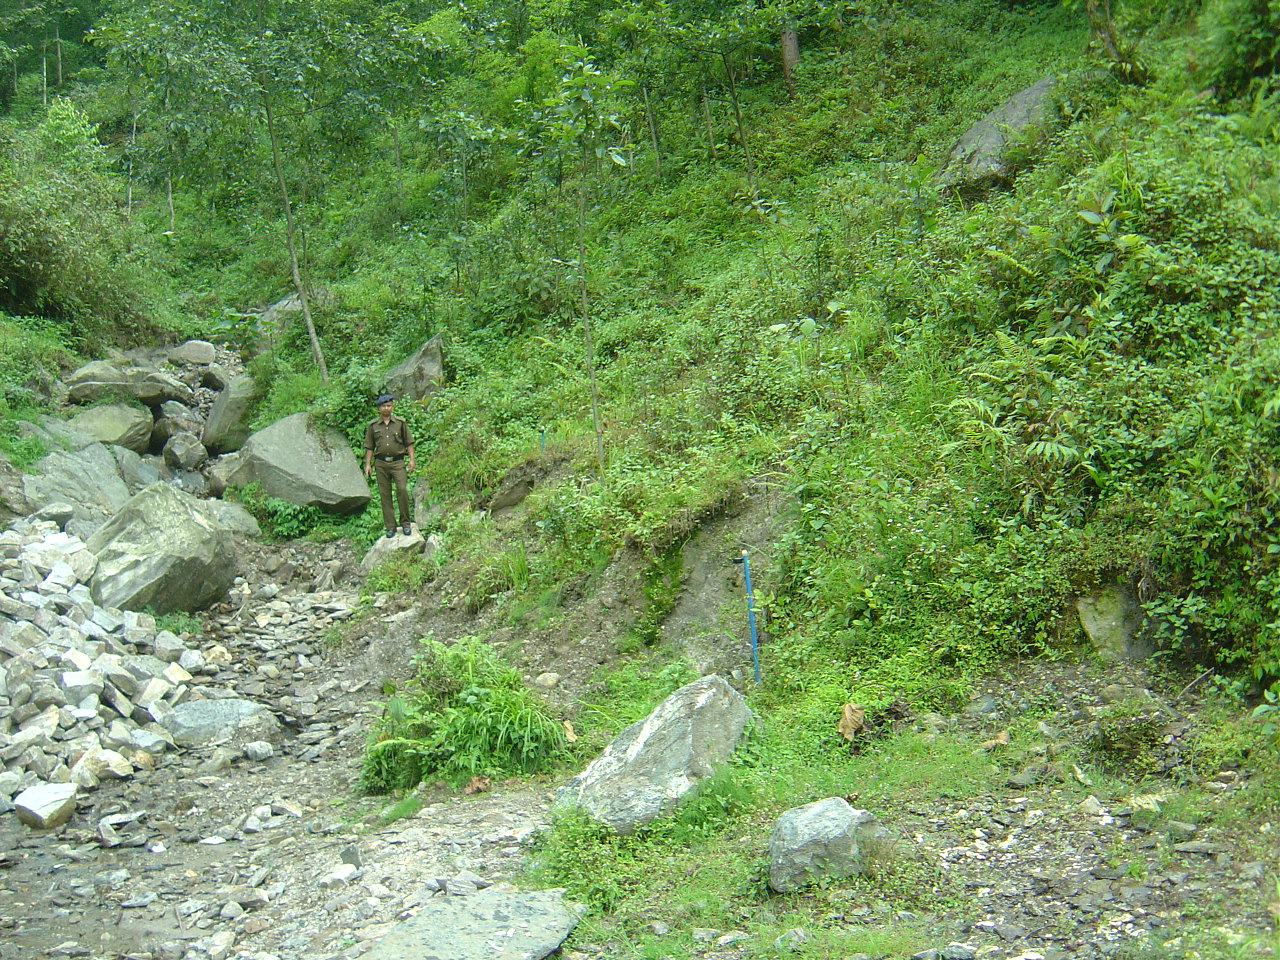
(751,616)
(542,440)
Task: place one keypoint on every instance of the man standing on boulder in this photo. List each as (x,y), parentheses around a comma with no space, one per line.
(386,441)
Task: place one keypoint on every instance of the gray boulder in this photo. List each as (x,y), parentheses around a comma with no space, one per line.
(233,516)
(421,374)
(195,352)
(202,721)
(56,434)
(827,838)
(184,451)
(13,502)
(46,805)
(1113,621)
(137,472)
(384,548)
(88,478)
(655,762)
(980,160)
(215,377)
(122,424)
(161,550)
(298,463)
(101,380)
(491,923)
(228,425)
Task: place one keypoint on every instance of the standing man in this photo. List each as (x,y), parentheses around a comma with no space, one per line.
(386,441)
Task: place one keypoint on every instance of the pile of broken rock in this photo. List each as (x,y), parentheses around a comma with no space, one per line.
(90,692)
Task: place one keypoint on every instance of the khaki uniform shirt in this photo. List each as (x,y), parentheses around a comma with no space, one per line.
(391,439)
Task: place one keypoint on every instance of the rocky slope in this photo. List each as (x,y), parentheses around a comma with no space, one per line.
(251,842)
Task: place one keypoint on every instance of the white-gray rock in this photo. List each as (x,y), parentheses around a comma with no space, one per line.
(46,805)
(655,762)
(826,838)
(161,551)
(495,924)
(122,424)
(297,462)
(201,721)
(195,352)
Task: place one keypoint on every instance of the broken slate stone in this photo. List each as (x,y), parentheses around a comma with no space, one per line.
(46,805)
(496,924)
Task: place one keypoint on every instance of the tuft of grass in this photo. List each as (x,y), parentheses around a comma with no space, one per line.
(465,713)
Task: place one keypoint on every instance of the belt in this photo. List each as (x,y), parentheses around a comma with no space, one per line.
(390,459)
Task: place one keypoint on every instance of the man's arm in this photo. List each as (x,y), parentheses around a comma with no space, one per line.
(412,466)
(368,462)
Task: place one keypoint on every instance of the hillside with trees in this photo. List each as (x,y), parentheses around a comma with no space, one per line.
(685,257)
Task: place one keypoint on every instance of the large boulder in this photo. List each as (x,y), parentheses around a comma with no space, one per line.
(826,838)
(194,352)
(234,516)
(228,425)
(46,805)
(1113,621)
(136,471)
(161,550)
(655,762)
(421,374)
(980,160)
(299,463)
(101,380)
(122,424)
(184,452)
(494,923)
(13,502)
(204,721)
(387,548)
(88,478)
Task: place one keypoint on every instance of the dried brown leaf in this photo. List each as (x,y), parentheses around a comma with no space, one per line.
(852,720)
(477,785)
(1001,739)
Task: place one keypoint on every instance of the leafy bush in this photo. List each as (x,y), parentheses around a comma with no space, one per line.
(280,519)
(1241,45)
(465,713)
(31,352)
(63,247)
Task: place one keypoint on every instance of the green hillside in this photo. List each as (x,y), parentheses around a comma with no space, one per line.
(972,409)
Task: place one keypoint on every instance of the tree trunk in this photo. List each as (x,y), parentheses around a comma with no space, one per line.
(44,75)
(128,182)
(168,199)
(57,42)
(706,115)
(303,298)
(790,57)
(399,158)
(588,342)
(653,132)
(1102,30)
(742,130)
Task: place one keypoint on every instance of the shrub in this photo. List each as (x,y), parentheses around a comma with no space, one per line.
(63,251)
(1241,45)
(465,713)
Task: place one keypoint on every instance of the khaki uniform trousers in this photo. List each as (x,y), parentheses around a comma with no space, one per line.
(388,473)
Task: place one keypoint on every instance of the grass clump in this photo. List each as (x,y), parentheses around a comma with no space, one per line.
(465,713)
